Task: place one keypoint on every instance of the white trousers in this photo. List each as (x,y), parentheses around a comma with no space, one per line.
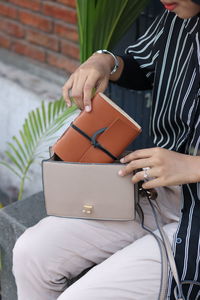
(128,264)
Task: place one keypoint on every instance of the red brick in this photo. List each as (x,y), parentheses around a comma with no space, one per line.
(28,50)
(60,12)
(42,39)
(5,41)
(8,11)
(36,20)
(66,31)
(71,3)
(31,4)
(61,62)
(71,49)
(12,28)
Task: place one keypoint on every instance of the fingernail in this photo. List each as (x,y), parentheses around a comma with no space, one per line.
(68,104)
(120,173)
(122,160)
(88,108)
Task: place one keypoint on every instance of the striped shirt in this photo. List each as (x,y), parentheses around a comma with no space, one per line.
(167,59)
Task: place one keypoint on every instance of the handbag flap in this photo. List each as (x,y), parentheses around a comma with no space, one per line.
(94,191)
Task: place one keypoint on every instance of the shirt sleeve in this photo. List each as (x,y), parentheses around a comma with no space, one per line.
(141,57)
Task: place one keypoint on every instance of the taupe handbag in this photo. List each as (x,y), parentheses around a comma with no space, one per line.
(96,191)
(88,191)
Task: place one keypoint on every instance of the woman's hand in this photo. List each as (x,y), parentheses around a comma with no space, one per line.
(92,74)
(166,167)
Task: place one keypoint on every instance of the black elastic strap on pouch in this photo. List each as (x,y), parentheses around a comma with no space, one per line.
(93,140)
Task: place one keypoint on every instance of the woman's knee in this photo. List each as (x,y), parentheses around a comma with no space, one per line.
(18,253)
(30,251)
(45,248)
(24,251)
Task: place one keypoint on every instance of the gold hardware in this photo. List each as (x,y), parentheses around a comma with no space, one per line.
(87,209)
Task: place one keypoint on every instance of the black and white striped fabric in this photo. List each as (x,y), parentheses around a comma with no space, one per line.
(167,58)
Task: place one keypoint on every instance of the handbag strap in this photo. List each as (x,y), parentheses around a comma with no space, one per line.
(165,249)
(164,265)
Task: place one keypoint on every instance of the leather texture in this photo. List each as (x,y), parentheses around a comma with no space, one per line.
(69,187)
(121,131)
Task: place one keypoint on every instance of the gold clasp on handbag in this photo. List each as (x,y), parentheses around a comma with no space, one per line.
(87,209)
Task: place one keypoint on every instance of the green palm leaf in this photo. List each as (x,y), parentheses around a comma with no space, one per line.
(101,23)
(39,128)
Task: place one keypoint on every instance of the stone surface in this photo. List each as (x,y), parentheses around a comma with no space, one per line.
(4,199)
(14,219)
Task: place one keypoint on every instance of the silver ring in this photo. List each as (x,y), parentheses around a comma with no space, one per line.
(146,176)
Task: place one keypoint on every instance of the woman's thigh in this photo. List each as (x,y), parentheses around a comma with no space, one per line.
(132,273)
(65,247)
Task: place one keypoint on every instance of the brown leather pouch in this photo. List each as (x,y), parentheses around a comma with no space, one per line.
(99,136)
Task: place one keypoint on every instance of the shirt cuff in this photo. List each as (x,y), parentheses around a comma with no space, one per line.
(133,77)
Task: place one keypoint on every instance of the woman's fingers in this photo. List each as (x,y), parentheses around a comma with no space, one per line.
(102,85)
(66,90)
(89,88)
(87,95)
(150,181)
(72,89)
(166,167)
(134,165)
(146,175)
(151,184)
(148,166)
(92,74)
(81,89)
(77,91)
(138,154)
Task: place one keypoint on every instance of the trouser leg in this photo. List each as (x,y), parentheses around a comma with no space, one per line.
(132,273)
(59,248)
(56,249)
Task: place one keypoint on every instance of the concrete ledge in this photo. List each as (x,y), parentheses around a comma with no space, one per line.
(33,67)
(14,219)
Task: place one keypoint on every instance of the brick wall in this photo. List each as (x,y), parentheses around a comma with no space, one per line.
(44,30)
